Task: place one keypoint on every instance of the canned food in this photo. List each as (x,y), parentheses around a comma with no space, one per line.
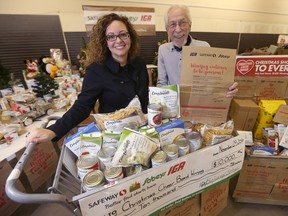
(85,164)
(93,179)
(194,139)
(154,115)
(158,158)
(113,174)
(171,150)
(183,146)
(105,155)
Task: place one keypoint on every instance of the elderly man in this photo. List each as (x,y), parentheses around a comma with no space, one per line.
(178,25)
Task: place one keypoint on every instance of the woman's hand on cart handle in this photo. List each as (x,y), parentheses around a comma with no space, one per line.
(39,135)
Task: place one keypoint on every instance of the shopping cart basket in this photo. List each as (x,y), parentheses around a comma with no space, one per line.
(64,186)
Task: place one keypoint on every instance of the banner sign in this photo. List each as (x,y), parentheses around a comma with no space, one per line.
(156,189)
(143,19)
(264,66)
(269,73)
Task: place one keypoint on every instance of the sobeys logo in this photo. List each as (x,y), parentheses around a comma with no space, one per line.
(153,178)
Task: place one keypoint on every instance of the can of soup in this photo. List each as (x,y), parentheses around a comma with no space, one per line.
(158,158)
(105,155)
(85,164)
(194,139)
(172,151)
(154,115)
(93,179)
(183,146)
(113,174)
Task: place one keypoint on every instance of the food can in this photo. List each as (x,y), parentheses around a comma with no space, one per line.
(154,115)
(85,164)
(194,139)
(171,150)
(105,155)
(93,179)
(183,146)
(113,174)
(158,158)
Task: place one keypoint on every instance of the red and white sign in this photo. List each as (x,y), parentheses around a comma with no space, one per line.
(262,77)
(263,66)
(143,19)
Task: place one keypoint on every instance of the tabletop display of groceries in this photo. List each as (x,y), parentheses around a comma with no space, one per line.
(125,142)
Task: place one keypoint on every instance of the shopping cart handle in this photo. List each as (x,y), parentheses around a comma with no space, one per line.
(10,187)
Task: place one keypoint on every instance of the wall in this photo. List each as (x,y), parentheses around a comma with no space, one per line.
(242,16)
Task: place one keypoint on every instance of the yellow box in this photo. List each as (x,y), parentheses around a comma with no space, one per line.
(257,130)
(268,109)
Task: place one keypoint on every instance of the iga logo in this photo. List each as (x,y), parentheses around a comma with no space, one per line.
(244,66)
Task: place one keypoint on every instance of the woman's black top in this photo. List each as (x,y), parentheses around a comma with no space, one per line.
(112,85)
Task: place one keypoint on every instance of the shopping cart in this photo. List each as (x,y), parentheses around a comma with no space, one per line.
(64,186)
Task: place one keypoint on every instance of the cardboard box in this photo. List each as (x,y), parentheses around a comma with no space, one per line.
(209,203)
(7,206)
(189,207)
(41,165)
(244,112)
(264,180)
(214,200)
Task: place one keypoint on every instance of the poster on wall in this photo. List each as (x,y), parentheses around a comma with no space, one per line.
(268,73)
(143,19)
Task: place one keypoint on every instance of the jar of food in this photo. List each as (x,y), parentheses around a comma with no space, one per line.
(158,158)
(154,115)
(86,163)
(93,179)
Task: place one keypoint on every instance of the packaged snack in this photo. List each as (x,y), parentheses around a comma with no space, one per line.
(130,117)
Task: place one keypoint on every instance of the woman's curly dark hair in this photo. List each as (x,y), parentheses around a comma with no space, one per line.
(97,50)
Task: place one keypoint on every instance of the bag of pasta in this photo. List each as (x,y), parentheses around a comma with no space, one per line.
(130,117)
(212,135)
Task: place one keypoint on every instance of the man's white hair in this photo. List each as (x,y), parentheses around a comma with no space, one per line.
(184,8)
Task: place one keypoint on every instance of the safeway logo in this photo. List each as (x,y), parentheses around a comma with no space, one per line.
(245,66)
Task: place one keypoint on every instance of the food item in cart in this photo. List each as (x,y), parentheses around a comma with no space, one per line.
(134,148)
(168,97)
(105,155)
(130,117)
(85,164)
(90,143)
(215,134)
(171,150)
(154,115)
(158,158)
(113,174)
(93,180)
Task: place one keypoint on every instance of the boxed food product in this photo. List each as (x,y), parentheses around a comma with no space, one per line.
(244,112)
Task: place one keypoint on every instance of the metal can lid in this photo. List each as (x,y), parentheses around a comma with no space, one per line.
(182,143)
(93,178)
(159,156)
(113,172)
(86,161)
(171,149)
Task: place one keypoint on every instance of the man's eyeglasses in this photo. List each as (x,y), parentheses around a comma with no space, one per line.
(181,24)
(113,37)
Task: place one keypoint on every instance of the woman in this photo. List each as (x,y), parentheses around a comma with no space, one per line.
(114,76)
